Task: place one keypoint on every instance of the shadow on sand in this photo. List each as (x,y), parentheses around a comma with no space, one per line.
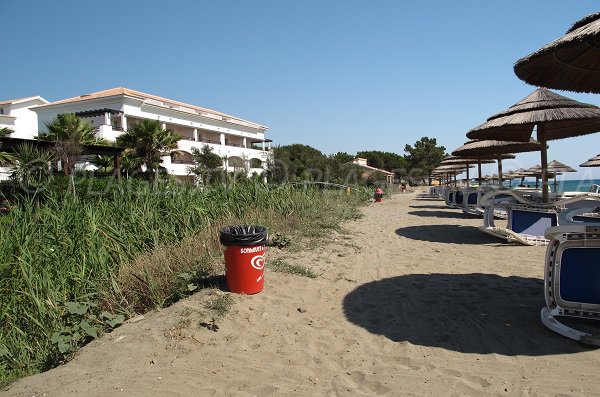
(430,199)
(444,214)
(467,313)
(434,207)
(452,234)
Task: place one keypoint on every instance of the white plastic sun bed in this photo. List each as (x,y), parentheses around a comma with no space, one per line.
(528,220)
(572,275)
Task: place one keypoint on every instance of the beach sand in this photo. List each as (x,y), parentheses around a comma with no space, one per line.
(412,300)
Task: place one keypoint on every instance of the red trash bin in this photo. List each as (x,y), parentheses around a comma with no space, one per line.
(244,257)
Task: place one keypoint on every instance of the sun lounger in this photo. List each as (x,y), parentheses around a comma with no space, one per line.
(450,197)
(527,219)
(572,273)
(435,192)
(472,202)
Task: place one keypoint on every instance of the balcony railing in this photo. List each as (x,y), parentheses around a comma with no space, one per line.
(180,161)
(214,142)
(258,147)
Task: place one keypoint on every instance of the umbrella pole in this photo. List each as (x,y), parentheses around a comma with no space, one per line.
(554,183)
(541,135)
(467,174)
(479,171)
(500,170)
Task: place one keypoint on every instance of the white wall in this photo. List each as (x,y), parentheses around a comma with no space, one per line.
(5,173)
(133,108)
(26,123)
(7,121)
(46,114)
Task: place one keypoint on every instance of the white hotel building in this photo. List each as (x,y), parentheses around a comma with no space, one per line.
(241,143)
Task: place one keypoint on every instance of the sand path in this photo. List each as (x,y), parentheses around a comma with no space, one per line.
(414,300)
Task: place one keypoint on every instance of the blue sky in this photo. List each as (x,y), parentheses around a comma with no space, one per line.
(336,75)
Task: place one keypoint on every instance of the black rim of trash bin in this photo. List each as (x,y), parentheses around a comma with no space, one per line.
(243,235)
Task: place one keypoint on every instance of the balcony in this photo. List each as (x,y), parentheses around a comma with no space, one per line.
(182,161)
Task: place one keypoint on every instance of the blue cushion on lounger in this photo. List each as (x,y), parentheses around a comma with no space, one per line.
(580,275)
(532,223)
(472,198)
(459,197)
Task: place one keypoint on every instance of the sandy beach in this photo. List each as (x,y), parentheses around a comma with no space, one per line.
(412,299)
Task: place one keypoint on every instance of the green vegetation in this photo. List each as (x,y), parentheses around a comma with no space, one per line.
(424,156)
(205,163)
(219,305)
(73,265)
(283,266)
(69,132)
(303,163)
(31,168)
(5,157)
(148,141)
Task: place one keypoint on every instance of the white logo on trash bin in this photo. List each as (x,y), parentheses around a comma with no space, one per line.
(258,262)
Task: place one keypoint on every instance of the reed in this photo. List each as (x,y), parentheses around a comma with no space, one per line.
(70,265)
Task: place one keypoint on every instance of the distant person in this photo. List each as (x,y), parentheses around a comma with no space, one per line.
(403,187)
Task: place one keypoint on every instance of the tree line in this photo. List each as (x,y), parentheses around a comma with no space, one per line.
(299,162)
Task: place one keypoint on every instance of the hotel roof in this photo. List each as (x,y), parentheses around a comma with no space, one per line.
(19,100)
(158,101)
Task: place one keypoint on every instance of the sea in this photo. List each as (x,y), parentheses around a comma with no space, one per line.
(578,185)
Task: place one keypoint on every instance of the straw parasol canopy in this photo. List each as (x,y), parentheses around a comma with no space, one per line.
(558,167)
(495,149)
(571,62)
(480,159)
(554,117)
(519,172)
(449,159)
(511,175)
(450,169)
(492,149)
(593,162)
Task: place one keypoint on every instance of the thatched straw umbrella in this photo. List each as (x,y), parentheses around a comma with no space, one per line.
(510,175)
(593,162)
(494,149)
(571,62)
(558,168)
(554,117)
(536,171)
(468,161)
(451,169)
(520,173)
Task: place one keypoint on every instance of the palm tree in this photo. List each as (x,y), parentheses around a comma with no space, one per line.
(130,164)
(32,167)
(149,142)
(69,132)
(5,131)
(102,162)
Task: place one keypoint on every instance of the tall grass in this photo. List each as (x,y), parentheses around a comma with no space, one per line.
(124,250)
